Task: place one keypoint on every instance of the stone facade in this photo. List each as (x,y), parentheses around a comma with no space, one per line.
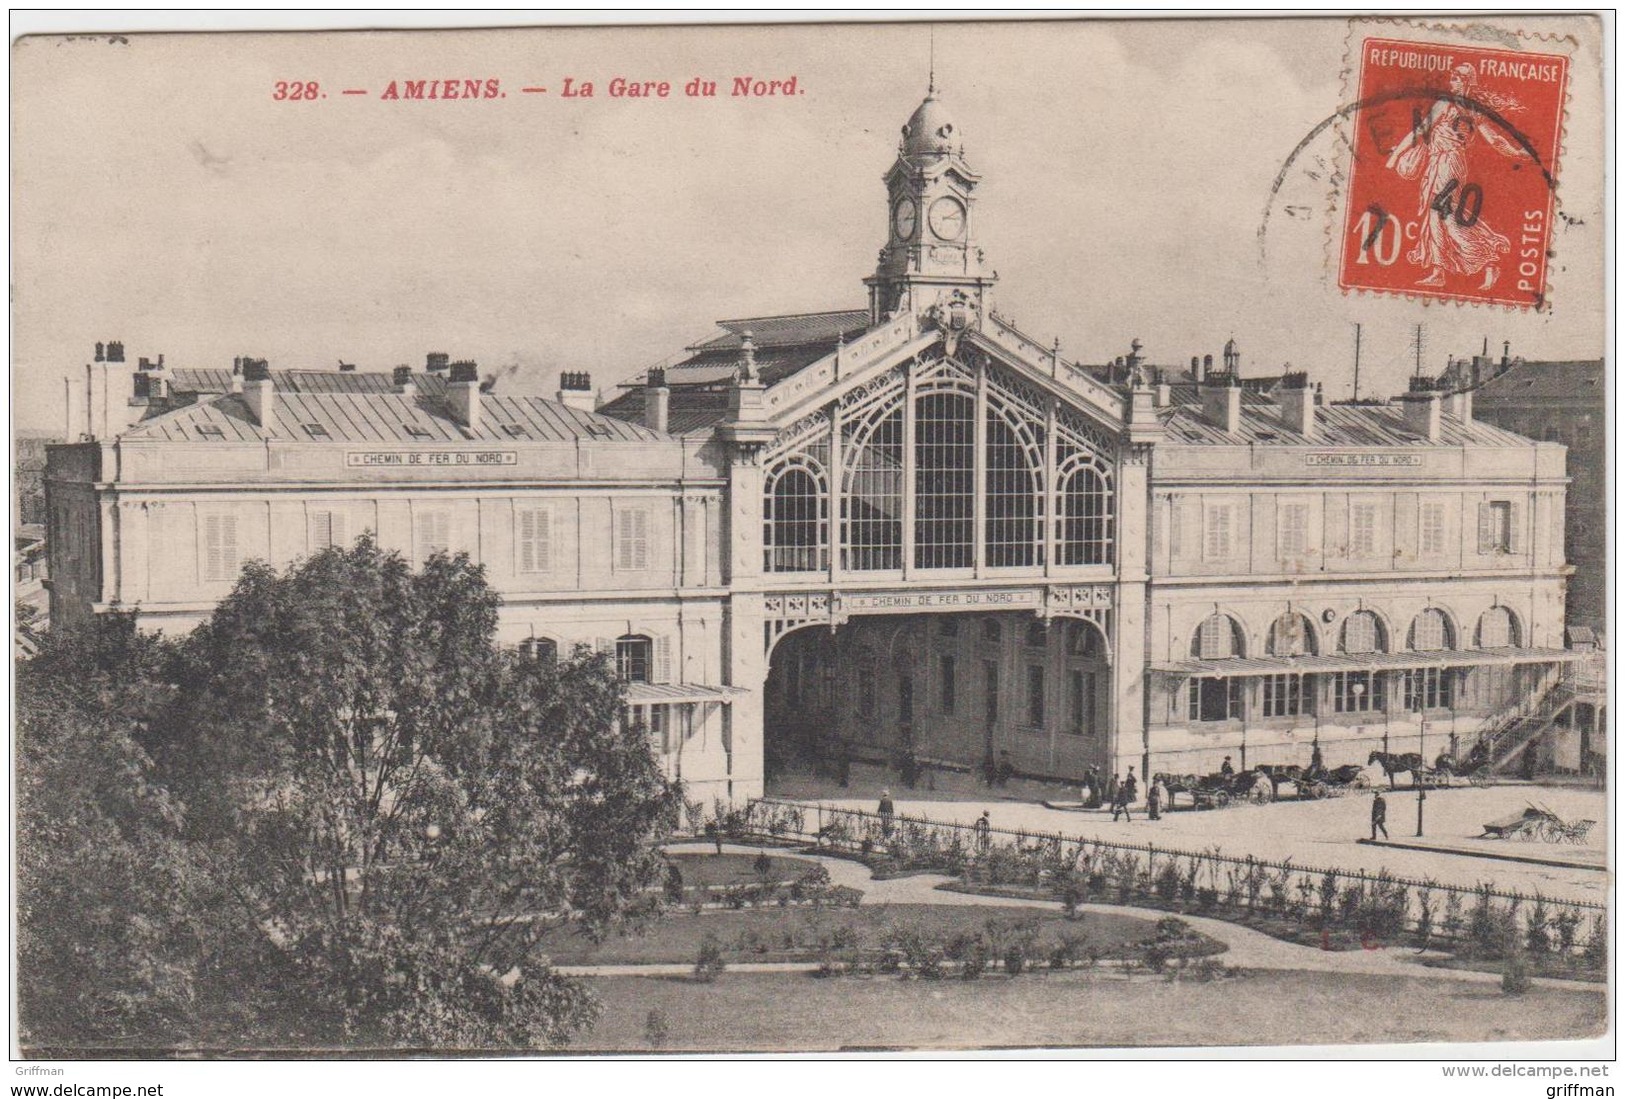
(906,530)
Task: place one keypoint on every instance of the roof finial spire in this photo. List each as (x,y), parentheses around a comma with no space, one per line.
(931,79)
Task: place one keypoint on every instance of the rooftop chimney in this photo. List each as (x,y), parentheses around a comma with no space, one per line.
(1297,403)
(115,351)
(1221,402)
(1421,406)
(1196,369)
(1460,405)
(656,401)
(402,379)
(439,362)
(463,394)
(257,389)
(575,391)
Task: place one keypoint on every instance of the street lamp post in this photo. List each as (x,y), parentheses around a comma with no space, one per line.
(1421,781)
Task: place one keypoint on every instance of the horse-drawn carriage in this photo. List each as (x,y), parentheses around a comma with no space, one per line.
(1333,782)
(1412,763)
(1538,822)
(1218,790)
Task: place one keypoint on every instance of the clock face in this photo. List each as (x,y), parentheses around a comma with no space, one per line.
(903,218)
(947,218)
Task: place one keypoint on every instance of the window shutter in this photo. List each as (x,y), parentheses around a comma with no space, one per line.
(662,668)
(640,539)
(336,534)
(1515,527)
(623,541)
(212,558)
(219,547)
(542,549)
(1486,527)
(527,540)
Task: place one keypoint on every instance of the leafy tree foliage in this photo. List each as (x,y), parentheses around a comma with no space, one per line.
(389,808)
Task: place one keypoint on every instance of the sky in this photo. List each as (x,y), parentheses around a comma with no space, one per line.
(163,197)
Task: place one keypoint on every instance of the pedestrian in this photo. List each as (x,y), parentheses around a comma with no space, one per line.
(887,811)
(1227,768)
(1005,769)
(1084,792)
(1132,793)
(1317,762)
(1379,816)
(1111,791)
(984,832)
(1120,802)
(1153,801)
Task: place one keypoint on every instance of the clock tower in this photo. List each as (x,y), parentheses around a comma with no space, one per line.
(930,259)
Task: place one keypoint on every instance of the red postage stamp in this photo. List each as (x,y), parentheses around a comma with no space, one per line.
(1454,172)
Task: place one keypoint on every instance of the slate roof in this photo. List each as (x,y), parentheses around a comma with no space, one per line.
(209,380)
(384,417)
(1566,380)
(1336,425)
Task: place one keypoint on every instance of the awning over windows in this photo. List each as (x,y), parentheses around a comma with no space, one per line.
(1365,662)
(660,694)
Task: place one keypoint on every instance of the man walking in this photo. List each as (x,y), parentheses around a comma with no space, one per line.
(887,810)
(1379,816)
(1120,801)
(1153,801)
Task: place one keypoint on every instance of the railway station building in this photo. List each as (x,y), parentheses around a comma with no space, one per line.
(901,530)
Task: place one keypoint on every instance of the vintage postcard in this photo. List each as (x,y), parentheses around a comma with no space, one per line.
(1059,534)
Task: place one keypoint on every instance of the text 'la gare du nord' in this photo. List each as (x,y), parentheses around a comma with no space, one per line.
(618,87)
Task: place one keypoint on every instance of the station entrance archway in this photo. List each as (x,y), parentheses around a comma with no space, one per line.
(961,691)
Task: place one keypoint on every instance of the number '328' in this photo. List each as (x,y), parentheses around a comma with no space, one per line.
(297,89)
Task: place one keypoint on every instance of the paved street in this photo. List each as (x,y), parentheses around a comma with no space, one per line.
(1310,833)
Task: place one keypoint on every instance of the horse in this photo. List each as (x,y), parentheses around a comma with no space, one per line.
(1394,762)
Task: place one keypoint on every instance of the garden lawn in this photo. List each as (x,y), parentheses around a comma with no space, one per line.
(703,871)
(744,1012)
(799,933)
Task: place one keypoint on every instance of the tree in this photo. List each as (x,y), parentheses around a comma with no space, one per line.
(108,895)
(403,804)
(338,806)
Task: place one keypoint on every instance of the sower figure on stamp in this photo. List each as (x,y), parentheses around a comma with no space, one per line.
(1452,236)
(1379,816)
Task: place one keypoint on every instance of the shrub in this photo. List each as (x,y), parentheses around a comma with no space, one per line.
(1167,882)
(843,896)
(708,966)
(1067,951)
(1515,979)
(1328,897)
(1595,954)
(1207,898)
(1156,956)
(656,1029)
(762,864)
(1172,929)
(975,957)
(1538,929)
(1074,893)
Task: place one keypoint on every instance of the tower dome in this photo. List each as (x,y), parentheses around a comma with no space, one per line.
(930,131)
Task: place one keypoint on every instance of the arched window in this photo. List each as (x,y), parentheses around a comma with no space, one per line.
(945,481)
(1014,490)
(1037,635)
(1082,639)
(796,526)
(991,631)
(1292,635)
(1497,629)
(1218,638)
(1362,633)
(634,658)
(872,505)
(1086,516)
(542,650)
(1431,632)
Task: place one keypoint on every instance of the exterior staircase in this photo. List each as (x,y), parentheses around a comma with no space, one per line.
(1502,741)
